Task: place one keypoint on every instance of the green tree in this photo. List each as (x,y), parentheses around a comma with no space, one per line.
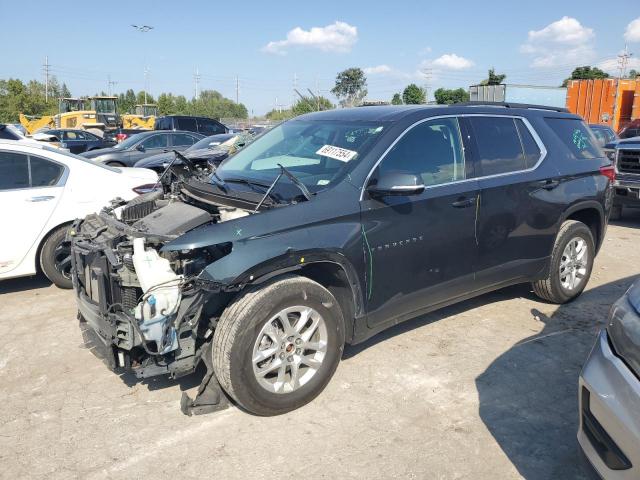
(64,91)
(140,98)
(633,73)
(445,96)
(310,104)
(493,78)
(413,95)
(397,99)
(585,73)
(350,87)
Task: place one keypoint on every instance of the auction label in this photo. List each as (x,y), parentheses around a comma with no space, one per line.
(337,153)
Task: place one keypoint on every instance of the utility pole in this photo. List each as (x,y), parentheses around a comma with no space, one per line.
(144,29)
(196,79)
(427,72)
(237,89)
(110,84)
(46,78)
(623,61)
(146,83)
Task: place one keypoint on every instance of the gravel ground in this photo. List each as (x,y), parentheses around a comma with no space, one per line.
(482,390)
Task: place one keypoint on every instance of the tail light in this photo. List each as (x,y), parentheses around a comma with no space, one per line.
(146,188)
(608,171)
(120,137)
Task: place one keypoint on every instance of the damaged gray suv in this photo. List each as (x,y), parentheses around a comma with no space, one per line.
(330,228)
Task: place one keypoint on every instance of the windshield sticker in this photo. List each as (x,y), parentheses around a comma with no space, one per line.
(323,182)
(336,153)
(580,139)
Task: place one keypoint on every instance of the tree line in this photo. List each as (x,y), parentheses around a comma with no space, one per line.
(30,98)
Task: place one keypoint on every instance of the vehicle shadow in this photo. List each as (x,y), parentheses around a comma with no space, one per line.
(515,291)
(14,285)
(630,218)
(528,396)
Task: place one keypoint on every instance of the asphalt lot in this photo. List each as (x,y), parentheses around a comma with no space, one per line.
(482,390)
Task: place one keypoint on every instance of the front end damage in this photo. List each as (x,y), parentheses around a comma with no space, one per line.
(143,310)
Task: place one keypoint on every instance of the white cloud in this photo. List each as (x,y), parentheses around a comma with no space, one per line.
(452,61)
(632,33)
(611,66)
(563,41)
(337,37)
(425,51)
(378,69)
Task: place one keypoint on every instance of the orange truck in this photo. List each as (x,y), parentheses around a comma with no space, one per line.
(608,101)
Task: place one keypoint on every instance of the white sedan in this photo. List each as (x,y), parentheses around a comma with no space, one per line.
(42,191)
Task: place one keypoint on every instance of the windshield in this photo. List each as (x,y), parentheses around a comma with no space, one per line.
(211,141)
(105,105)
(316,152)
(130,141)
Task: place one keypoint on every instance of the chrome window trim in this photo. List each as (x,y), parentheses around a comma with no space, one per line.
(62,181)
(534,134)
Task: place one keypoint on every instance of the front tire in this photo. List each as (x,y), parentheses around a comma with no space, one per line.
(55,258)
(277,346)
(571,264)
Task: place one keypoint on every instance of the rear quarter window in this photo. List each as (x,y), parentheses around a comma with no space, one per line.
(577,137)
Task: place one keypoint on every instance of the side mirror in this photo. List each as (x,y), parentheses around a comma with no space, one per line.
(396,183)
(140,148)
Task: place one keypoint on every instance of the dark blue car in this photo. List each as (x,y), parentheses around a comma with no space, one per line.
(79,141)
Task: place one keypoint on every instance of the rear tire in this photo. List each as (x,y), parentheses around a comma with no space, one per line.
(55,258)
(570,266)
(250,339)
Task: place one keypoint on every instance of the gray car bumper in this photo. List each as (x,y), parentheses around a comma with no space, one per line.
(609,395)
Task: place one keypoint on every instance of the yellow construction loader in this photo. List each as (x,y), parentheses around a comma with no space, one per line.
(95,114)
(144,117)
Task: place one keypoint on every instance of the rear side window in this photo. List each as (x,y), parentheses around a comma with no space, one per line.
(500,149)
(44,173)
(529,145)
(14,171)
(576,136)
(182,140)
(210,127)
(188,124)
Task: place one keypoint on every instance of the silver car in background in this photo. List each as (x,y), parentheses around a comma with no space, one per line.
(609,393)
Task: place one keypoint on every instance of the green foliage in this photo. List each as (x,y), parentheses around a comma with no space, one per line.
(633,73)
(17,97)
(585,73)
(302,106)
(413,95)
(350,87)
(210,103)
(397,99)
(493,78)
(446,96)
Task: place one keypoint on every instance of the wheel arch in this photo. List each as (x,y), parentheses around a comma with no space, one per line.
(331,270)
(44,238)
(592,214)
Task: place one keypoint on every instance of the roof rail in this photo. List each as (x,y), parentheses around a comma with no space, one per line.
(512,105)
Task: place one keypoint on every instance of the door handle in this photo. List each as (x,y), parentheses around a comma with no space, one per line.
(44,198)
(549,184)
(464,202)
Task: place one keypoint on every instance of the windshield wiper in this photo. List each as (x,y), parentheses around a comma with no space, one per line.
(303,188)
(294,180)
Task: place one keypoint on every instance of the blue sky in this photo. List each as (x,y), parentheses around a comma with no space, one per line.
(267,44)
